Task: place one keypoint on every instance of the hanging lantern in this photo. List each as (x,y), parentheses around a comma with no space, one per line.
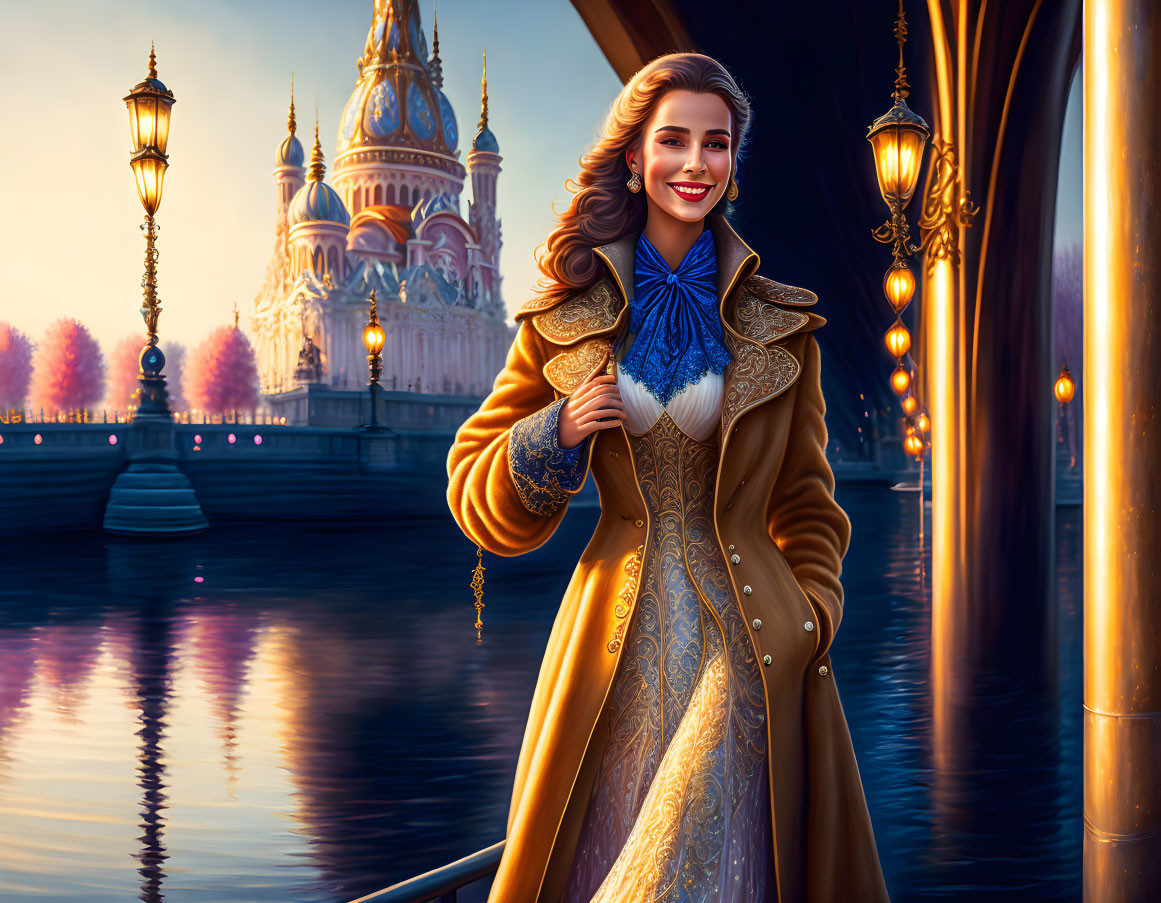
(897,141)
(913,445)
(923,422)
(910,403)
(900,380)
(898,339)
(1065,388)
(899,285)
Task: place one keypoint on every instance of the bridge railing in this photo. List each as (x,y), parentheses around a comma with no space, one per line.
(443,883)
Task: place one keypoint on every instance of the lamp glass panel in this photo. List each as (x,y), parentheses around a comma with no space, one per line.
(163,109)
(131,103)
(883,143)
(145,120)
(898,153)
(150,175)
(911,142)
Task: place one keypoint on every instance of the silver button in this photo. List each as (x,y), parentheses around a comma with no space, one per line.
(822,670)
(747,590)
(766,660)
(731,547)
(809,625)
(757,623)
(736,559)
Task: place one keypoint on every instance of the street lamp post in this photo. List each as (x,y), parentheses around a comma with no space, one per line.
(151,498)
(373,338)
(149,105)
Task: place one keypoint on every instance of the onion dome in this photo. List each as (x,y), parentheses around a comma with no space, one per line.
(316,201)
(290,151)
(397,101)
(485,140)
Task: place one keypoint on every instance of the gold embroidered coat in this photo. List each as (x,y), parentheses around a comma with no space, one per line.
(777,522)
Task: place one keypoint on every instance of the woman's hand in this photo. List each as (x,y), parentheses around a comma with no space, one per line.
(595,405)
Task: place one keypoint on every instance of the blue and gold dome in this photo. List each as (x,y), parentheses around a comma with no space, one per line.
(398,101)
(316,201)
(290,152)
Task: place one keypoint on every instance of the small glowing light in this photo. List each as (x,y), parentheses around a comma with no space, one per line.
(1,440)
(913,444)
(257,440)
(197,438)
(910,404)
(199,579)
(231,438)
(282,421)
(1065,388)
(37,439)
(112,439)
(899,286)
(924,422)
(900,380)
(898,339)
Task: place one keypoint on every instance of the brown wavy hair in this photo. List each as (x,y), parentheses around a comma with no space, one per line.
(603,209)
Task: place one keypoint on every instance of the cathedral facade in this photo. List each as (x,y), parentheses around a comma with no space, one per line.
(389,220)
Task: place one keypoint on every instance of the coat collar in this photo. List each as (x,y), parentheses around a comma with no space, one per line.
(736,260)
(761,368)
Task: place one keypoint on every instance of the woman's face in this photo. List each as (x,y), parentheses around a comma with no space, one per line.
(684,157)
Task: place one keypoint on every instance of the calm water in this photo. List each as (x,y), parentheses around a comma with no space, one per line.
(258,715)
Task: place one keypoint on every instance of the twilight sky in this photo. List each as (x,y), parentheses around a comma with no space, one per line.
(70,244)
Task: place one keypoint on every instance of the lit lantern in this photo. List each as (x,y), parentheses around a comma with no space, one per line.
(898,339)
(914,445)
(899,285)
(897,140)
(149,104)
(900,380)
(910,403)
(373,339)
(1065,388)
(923,421)
(373,335)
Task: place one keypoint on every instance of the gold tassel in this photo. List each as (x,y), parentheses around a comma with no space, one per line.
(478,589)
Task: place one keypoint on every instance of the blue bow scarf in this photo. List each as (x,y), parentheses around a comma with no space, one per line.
(674,318)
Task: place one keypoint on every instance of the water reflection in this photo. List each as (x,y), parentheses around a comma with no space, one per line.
(306,715)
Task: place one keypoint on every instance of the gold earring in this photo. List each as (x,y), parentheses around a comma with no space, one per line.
(732,190)
(634,183)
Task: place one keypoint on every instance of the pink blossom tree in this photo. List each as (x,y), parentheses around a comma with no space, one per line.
(222,374)
(69,369)
(124,367)
(15,366)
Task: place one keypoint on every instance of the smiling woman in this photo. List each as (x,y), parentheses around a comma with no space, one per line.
(685,739)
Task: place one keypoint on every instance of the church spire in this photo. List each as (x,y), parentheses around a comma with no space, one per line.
(290,123)
(317,169)
(435,66)
(484,95)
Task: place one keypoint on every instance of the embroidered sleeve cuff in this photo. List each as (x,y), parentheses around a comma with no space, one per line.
(545,473)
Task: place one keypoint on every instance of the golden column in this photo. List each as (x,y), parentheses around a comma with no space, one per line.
(1122,436)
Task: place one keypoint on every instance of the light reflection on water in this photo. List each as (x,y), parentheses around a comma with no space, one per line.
(267,716)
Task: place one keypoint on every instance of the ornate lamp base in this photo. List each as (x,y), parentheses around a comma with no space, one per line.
(152,498)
